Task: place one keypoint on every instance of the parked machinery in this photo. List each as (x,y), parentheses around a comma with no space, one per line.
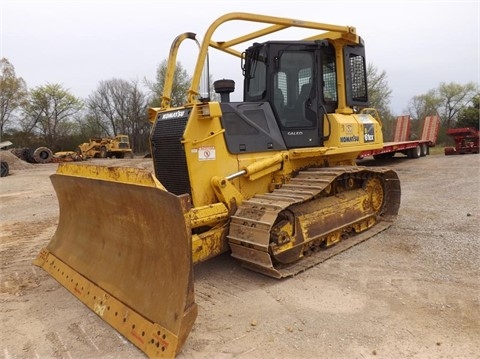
(103,147)
(466,141)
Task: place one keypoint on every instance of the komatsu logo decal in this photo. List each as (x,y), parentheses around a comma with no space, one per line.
(174,114)
(352,138)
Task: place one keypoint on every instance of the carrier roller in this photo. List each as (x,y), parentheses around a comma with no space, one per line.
(316,215)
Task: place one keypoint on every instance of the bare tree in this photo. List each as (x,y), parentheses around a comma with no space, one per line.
(50,113)
(379,97)
(13,94)
(119,107)
(378,90)
(424,105)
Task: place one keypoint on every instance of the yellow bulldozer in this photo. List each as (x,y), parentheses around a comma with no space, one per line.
(273,179)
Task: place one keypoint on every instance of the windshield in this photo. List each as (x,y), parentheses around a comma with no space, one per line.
(256,74)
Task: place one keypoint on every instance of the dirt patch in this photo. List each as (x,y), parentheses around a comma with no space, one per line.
(14,163)
(412,291)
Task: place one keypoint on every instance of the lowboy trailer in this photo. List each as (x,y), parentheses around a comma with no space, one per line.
(401,144)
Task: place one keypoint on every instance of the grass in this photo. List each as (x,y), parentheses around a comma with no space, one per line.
(437,150)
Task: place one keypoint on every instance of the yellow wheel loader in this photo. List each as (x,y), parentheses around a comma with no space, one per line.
(272,179)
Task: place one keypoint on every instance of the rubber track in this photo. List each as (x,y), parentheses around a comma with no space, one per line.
(250,227)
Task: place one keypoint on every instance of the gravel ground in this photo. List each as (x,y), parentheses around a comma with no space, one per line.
(412,291)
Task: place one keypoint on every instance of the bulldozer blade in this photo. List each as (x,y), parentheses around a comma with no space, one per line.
(123,247)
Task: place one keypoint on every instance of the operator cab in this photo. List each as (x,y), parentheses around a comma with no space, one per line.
(299,80)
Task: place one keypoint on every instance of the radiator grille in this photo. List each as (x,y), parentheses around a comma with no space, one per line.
(169,155)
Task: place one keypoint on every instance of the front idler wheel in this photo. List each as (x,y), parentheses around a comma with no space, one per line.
(376,193)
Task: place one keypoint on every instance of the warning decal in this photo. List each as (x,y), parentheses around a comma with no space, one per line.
(206,153)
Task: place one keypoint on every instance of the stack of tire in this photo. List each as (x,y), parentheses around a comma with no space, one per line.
(4,169)
(40,155)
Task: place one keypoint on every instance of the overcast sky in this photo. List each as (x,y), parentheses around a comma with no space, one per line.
(80,43)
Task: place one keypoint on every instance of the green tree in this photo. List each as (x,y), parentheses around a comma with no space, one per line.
(470,116)
(454,98)
(446,101)
(181,83)
(13,94)
(50,113)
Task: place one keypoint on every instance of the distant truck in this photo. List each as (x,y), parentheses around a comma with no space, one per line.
(105,147)
(466,141)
